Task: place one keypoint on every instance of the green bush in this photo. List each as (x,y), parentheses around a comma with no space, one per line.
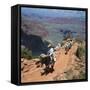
(25,53)
(68,35)
(80,52)
(82,75)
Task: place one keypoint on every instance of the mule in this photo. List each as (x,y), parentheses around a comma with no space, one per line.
(47,62)
(68,47)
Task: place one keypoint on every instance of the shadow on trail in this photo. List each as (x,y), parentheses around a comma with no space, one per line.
(47,71)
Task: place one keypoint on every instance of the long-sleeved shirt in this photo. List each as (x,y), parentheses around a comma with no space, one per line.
(51,51)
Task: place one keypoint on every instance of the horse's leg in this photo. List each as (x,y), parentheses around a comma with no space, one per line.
(67,49)
(41,65)
(53,62)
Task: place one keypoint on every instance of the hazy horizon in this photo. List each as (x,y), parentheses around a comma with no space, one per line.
(53,13)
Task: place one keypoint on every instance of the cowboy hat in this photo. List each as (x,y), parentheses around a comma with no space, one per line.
(49,45)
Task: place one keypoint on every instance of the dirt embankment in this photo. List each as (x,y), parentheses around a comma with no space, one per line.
(64,63)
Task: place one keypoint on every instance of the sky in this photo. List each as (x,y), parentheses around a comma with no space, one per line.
(52,12)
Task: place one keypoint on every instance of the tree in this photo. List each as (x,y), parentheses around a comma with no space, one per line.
(26,53)
(80,52)
(67,34)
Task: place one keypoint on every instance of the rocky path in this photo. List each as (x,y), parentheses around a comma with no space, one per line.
(30,72)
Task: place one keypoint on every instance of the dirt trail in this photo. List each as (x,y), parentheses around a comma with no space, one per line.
(63,63)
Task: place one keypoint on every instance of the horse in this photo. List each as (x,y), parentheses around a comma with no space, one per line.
(46,60)
(68,47)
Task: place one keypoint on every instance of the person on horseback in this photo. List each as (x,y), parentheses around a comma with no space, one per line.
(68,46)
(51,54)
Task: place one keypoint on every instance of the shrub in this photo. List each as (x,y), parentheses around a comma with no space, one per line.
(80,51)
(67,34)
(82,75)
(25,53)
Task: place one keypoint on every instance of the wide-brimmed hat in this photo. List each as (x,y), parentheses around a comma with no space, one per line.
(49,45)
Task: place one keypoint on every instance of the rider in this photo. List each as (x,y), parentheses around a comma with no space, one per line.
(51,54)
